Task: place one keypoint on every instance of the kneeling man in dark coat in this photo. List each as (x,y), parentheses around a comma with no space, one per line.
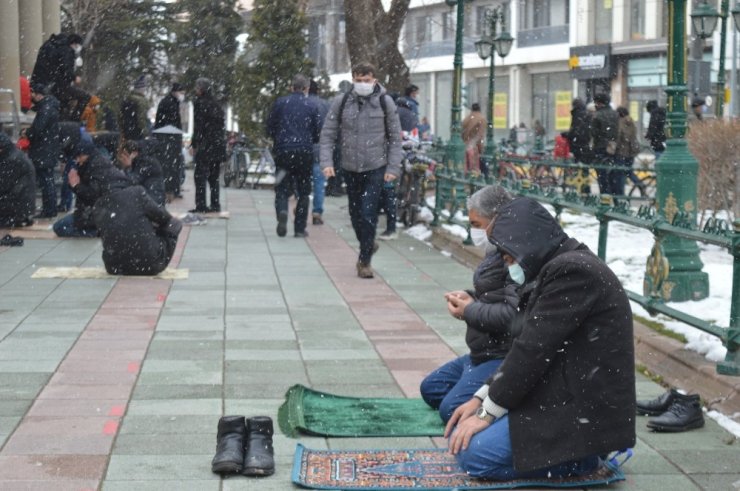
(139,236)
(17,185)
(143,170)
(564,396)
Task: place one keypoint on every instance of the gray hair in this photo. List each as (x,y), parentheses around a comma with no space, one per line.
(203,84)
(300,82)
(487,201)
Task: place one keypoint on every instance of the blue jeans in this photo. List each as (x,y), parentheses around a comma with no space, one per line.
(318,188)
(388,203)
(454,384)
(65,227)
(45,178)
(489,455)
(66,195)
(363,193)
(298,167)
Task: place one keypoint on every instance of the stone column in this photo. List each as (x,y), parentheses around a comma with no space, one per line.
(51,19)
(9,56)
(30,27)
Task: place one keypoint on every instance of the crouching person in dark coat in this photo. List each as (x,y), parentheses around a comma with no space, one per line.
(139,236)
(565,393)
(17,186)
(143,170)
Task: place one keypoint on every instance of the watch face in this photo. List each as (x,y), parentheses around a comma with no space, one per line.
(481,412)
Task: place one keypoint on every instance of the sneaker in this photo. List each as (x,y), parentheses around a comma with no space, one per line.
(388,235)
(282,226)
(301,235)
(364,270)
(683,414)
(317,220)
(193,220)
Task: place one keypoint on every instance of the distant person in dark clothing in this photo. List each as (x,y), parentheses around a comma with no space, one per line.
(319,180)
(579,134)
(411,93)
(92,177)
(656,127)
(17,185)
(132,117)
(604,128)
(294,125)
(168,110)
(168,114)
(139,236)
(409,119)
(44,151)
(208,146)
(143,170)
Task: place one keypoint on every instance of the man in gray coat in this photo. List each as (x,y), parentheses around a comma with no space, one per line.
(364,123)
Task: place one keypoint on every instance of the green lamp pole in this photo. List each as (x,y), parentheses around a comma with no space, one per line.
(488,46)
(677,172)
(455,155)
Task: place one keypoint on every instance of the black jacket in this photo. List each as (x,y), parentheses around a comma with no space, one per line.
(168,112)
(656,129)
(55,63)
(146,172)
(294,123)
(209,130)
(579,134)
(408,118)
(489,317)
(568,380)
(131,227)
(604,127)
(44,134)
(97,177)
(17,183)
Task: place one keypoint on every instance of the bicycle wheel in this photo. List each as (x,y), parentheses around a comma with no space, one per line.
(242,169)
(229,170)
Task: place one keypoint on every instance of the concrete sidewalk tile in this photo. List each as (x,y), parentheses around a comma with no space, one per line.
(714,461)
(170,444)
(190,323)
(273,390)
(75,485)
(120,377)
(718,481)
(29,365)
(169,424)
(261,354)
(657,482)
(51,468)
(86,408)
(181,377)
(17,407)
(339,354)
(183,407)
(189,335)
(95,392)
(161,468)
(648,461)
(178,391)
(160,485)
(153,366)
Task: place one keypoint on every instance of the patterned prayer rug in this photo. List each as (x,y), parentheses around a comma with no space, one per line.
(414,469)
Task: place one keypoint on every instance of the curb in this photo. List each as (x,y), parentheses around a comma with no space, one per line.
(661,355)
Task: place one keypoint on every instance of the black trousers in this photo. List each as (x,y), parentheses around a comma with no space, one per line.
(207,170)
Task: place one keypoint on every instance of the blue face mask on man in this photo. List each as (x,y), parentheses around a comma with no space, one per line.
(517,274)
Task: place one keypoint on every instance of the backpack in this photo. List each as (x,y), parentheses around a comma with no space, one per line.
(382,106)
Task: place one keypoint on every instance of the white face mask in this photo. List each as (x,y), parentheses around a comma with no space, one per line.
(77,49)
(479,237)
(517,274)
(363,89)
(180,97)
(78,62)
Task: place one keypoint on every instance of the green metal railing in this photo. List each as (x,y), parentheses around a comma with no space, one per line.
(453,188)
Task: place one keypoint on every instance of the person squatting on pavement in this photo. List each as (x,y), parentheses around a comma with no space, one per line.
(565,393)
(294,125)
(487,310)
(370,141)
(17,185)
(139,236)
(208,145)
(45,148)
(142,170)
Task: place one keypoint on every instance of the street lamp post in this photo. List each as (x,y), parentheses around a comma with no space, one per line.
(677,171)
(488,46)
(704,18)
(455,154)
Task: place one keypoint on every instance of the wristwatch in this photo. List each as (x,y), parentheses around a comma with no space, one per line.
(485,415)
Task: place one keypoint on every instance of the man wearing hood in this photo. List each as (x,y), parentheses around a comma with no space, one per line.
(17,185)
(44,150)
(208,145)
(565,393)
(93,177)
(370,143)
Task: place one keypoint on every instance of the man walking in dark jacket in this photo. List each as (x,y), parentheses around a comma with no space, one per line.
(604,128)
(143,170)
(44,151)
(565,392)
(294,124)
(208,146)
(656,128)
(17,185)
(168,114)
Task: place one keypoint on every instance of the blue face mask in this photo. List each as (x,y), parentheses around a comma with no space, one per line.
(517,274)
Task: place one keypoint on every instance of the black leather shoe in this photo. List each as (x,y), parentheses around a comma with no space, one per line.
(282,226)
(214,209)
(683,414)
(198,210)
(259,459)
(229,456)
(657,406)
(301,235)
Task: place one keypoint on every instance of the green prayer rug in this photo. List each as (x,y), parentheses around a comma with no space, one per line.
(433,469)
(318,413)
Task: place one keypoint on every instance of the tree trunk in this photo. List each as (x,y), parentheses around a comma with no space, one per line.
(372,36)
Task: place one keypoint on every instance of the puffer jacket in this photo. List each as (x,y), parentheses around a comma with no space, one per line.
(488,318)
(365,146)
(568,380)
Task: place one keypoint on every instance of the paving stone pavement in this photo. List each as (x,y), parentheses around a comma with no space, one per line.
(118,384)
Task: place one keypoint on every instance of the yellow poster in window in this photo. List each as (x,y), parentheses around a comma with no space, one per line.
(635,110)
(500,110)
(562,110)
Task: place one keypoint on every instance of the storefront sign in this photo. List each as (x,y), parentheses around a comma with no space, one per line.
(500,110)
(562,109)
(589,62)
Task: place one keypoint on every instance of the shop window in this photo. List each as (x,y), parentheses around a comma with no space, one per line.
(448,25)
(422,29)
(603,21)
(543,22)
(637,20)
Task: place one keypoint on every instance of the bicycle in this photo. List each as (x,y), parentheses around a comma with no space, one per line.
(237,168)
(644,170)
(416,170)
(264,167)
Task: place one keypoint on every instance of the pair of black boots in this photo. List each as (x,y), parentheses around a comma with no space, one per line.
(674,412)
(244,447)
